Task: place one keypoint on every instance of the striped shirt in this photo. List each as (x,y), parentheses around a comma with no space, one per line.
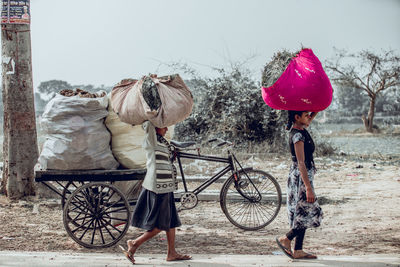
(160,177)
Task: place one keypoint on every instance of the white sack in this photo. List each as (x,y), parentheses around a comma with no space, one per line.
(76,137)
(126,141)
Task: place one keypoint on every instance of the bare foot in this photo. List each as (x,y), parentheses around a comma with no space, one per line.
(300,254)
(177,257)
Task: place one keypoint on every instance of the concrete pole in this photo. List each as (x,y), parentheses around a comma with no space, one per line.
(20,150)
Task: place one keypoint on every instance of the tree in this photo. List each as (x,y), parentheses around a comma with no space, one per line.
(20,151)
(389,104)
(53,86)
(47,90)
(367,71)
(349,97)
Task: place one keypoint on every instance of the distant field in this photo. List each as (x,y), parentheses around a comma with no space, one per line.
(351,139)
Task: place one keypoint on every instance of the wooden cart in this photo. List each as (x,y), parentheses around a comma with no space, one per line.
(96,214)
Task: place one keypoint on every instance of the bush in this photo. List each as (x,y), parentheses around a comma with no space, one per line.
(231,107)
(324,149)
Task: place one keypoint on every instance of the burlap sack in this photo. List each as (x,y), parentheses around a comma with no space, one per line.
(176,101)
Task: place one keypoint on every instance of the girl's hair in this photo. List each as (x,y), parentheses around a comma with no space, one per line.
(291,115)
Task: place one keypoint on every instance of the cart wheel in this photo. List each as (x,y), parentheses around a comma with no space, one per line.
(89,214)
(69,188)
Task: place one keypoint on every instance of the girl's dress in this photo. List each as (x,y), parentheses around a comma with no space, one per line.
(155,207)
(301,213)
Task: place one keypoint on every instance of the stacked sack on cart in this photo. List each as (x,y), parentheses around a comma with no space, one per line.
(76,137)
(87,131)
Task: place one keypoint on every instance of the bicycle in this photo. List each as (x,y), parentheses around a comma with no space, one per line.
(249,198)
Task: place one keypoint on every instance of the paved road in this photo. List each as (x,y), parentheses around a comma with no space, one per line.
(12,258)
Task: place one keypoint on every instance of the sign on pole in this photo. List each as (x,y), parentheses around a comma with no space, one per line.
(15,12)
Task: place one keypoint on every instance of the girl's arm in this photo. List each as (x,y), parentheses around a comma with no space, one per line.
(150,135)
(312,116)
(299,150)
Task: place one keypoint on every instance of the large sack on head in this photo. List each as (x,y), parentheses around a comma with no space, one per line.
(296,82)
(76,137)
(164,101)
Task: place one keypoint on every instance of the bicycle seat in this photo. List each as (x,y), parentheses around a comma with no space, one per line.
(182,144)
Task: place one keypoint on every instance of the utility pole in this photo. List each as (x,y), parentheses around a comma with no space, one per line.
(20,151)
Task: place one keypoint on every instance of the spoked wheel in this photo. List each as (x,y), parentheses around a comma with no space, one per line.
(253,202)
(89,215)
(69,188)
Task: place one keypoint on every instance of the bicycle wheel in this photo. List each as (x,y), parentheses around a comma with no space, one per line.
(89,214)
(254,202)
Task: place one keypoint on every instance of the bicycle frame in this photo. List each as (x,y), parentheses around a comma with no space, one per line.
(242,194)
(179,154)
(230,160)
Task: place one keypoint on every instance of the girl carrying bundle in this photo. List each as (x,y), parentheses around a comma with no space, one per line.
(297,82)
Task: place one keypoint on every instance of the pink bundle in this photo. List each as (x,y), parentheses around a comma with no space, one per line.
(304,85)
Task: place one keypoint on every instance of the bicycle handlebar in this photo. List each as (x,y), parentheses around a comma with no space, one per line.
(222,142)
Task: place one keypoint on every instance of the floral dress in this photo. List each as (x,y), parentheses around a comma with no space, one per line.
(301,213)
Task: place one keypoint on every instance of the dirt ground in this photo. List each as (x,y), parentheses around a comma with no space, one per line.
(360,198)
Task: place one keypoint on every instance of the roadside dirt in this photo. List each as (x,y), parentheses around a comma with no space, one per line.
(360,199)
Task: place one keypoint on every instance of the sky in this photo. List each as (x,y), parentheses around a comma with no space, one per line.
(100,42)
